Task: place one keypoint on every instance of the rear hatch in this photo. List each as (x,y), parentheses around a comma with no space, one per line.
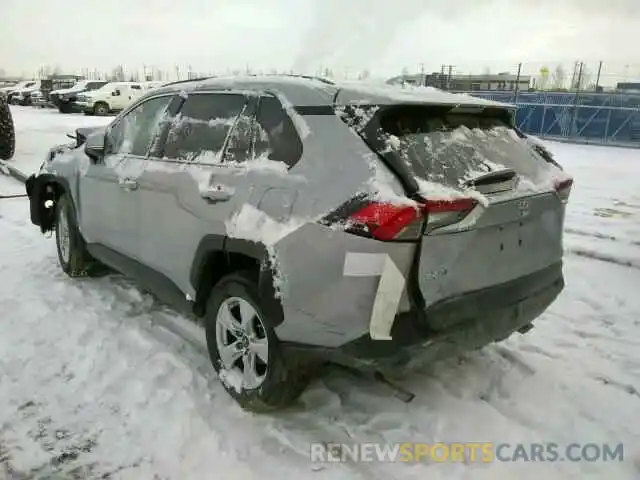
(492,208)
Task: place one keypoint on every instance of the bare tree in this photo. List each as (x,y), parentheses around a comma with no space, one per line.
(586,79)
(364,74)
(117,74)
(558,77)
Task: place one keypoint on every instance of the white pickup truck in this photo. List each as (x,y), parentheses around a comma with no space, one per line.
(112,97)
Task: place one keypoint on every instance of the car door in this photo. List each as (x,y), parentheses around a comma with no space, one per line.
(178,174)
(110,208)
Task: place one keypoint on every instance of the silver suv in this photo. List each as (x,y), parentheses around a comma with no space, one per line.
(305,222)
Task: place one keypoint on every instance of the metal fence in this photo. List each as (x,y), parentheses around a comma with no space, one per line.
(602,118)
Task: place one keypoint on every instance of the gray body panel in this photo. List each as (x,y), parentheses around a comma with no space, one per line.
(161,219)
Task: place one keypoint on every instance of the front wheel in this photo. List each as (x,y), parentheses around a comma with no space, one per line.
(101,109)
(73,256)
(244,348)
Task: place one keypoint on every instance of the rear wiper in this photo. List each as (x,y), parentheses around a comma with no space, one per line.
(493,182)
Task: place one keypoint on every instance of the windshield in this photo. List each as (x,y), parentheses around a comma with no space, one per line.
(26,84)
(80,85)
(438,145)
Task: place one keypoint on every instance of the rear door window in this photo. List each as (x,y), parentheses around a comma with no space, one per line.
(199,131)
(436,144)
(276,135)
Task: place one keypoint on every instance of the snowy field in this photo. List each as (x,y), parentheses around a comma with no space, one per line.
(92,387)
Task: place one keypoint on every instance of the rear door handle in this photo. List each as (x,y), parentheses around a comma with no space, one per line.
(217,193)
(128,185)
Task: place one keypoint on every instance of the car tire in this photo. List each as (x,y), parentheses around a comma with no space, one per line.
(101,108)
(257,384)
(73,256)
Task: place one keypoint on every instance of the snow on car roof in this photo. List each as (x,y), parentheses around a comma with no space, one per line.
(312,91)
(390,94)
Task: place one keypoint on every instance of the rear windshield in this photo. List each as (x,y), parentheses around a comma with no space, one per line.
(444,146)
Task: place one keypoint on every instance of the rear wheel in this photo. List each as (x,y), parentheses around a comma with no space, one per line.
(73,256)
(101,108)
(244,348)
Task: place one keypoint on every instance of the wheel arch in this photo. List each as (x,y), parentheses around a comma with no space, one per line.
(40,189)
(218,256)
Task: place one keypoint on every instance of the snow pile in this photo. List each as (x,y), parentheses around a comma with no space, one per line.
(231,378)
(93,386)
(252,224)
(356,116)
(39,130)
(383,184)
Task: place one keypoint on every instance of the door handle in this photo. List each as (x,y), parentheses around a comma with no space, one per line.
(217,193)
(128,185)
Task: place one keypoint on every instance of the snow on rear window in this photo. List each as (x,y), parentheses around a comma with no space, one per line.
(451,149)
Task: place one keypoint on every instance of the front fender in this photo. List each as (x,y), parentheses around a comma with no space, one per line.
(40,189)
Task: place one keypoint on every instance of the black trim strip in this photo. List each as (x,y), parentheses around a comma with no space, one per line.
(315,110)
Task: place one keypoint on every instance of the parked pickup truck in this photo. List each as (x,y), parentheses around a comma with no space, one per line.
(112,97)
(65,99)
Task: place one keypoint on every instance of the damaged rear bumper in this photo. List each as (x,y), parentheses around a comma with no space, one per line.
(475,320)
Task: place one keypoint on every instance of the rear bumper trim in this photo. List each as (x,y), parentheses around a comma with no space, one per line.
(477,319)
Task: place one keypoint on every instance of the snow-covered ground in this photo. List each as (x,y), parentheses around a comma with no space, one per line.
(91,386)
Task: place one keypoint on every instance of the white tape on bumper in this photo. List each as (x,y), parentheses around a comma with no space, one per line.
(364,264)
(390,288)
(387,300)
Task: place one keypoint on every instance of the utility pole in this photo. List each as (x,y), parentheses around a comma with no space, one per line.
(517,93)
(449,77)
(580,67)
(598,76)
(580,72)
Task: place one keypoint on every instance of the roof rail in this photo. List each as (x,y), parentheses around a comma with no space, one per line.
(310,77)
(306,77)
(187,80)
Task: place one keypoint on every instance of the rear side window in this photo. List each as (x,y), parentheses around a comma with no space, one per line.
(436,144)
(276,136)
(199,131)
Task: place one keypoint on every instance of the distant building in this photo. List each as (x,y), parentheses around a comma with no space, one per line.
(465,83)
(628,87)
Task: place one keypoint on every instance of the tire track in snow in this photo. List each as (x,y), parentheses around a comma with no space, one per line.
(90,351)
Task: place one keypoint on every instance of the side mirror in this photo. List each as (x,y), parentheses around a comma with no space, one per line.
(94,147)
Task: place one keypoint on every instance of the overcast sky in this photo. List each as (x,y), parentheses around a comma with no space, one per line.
(383,36)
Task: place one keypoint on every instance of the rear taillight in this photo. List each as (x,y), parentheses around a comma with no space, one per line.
(388,221)
(563,188)
(446,212)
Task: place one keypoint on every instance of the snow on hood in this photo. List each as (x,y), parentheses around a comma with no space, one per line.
(76,88)
(28,90)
